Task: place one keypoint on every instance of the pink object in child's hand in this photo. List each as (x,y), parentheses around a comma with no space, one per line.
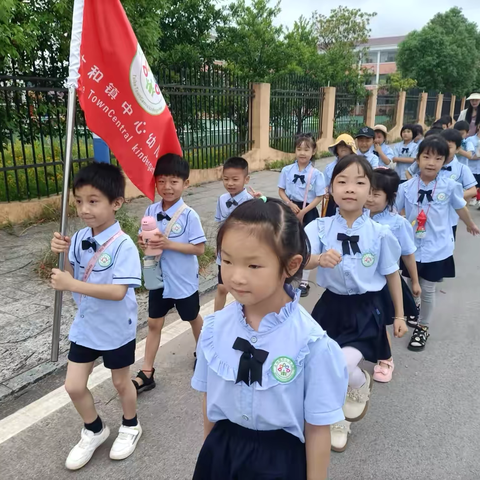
(149,232)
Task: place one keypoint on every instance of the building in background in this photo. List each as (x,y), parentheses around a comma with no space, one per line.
(381,57)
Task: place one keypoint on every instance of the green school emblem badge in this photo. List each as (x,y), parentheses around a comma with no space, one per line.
(105,260)
(177,228)
(441,197)
(368,259)
(284,369)
(453,176)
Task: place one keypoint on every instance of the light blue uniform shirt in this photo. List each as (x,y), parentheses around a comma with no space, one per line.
(314,393)
(370,156)
(475,164)
(179,270)
(413,169)
(356,273)
(223,212)
(405,151)
(329,172)
(438,243)
(295,189)
(461,174)
(400,228)
(387,151)
(468,146)
(105,324)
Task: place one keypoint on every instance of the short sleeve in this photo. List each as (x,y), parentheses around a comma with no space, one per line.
(218,212)
(326,382)
(390,252)
(199,379)
(388,152)
(405,237)
(413,169)
(319,184)
(468,180)
(470,146)
(71,250)
(373,159)
(400,198)
(312,233)
(282,181)
(196,235)
(456,198)
(413,153)
(127,269)
(396,150)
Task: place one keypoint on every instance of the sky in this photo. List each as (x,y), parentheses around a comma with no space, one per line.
(394,17)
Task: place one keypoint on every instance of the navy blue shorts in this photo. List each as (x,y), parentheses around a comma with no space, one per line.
(188,308)
(232,452)
(121,357)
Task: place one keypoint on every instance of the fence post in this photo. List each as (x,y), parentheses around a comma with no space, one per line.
(452,105)
(328,118)
(394,133)
(260,109)
(438,108)
(462,105)
(371,108)
(422,109)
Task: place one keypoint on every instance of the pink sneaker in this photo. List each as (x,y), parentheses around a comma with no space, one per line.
(383,371)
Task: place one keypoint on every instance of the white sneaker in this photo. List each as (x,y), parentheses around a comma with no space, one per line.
(339,435)
(83,451)
(473,202)
(356,403)
(126,442)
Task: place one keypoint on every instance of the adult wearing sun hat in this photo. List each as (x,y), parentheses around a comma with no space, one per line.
(471,114)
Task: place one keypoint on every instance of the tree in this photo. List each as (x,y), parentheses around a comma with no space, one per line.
(444,55)
(396,83)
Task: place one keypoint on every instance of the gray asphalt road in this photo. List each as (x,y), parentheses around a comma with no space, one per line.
(423,425)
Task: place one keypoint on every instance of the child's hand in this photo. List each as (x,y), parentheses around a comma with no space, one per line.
(141,242)
(330,259)
(61,280)
(163,242)
(294,208)
(60,244)
(254,193)
(416,289)
(300,215)
(399,327)
(473,229)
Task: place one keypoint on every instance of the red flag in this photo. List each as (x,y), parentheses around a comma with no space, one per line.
(119,94)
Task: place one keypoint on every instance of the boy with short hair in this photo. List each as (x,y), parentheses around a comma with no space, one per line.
(102,271)
(405,151)
(466,151)
(364,140)
(235,177)
(453,169)
(178,263)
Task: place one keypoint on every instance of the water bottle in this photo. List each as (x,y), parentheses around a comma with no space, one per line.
(149,232)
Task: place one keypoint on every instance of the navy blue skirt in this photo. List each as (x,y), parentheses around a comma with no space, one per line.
(331,207)
(356,321)
(310,216)
(409,305)
(232,452)
(433,271)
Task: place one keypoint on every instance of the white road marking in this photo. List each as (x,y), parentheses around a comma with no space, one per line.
(50,403)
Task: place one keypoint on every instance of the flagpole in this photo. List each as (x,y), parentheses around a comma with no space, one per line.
(67,166)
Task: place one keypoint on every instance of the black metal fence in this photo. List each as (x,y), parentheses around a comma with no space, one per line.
(350,111)
(447,103)
(458,107)
(386,109)
(211,108)
(430,111)
(296,103)
(412,101)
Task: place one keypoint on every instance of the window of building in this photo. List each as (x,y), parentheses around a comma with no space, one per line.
(388,56)
(370,57)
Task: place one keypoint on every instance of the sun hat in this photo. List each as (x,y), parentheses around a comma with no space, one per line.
(381,128)
(474,96)
(346,139)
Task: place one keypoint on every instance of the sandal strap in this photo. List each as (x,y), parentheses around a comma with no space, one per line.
(144,378)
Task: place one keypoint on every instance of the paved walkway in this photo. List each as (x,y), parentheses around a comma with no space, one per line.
(26,302)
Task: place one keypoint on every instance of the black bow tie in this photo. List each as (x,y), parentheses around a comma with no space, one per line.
(86,244)
(422,193)
(301,177)
(251,361)
(231,202)
(349,243)
(376,153)
(161,217)
(405,150)
(447,168)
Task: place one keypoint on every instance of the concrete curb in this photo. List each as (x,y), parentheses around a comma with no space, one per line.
(35,374)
